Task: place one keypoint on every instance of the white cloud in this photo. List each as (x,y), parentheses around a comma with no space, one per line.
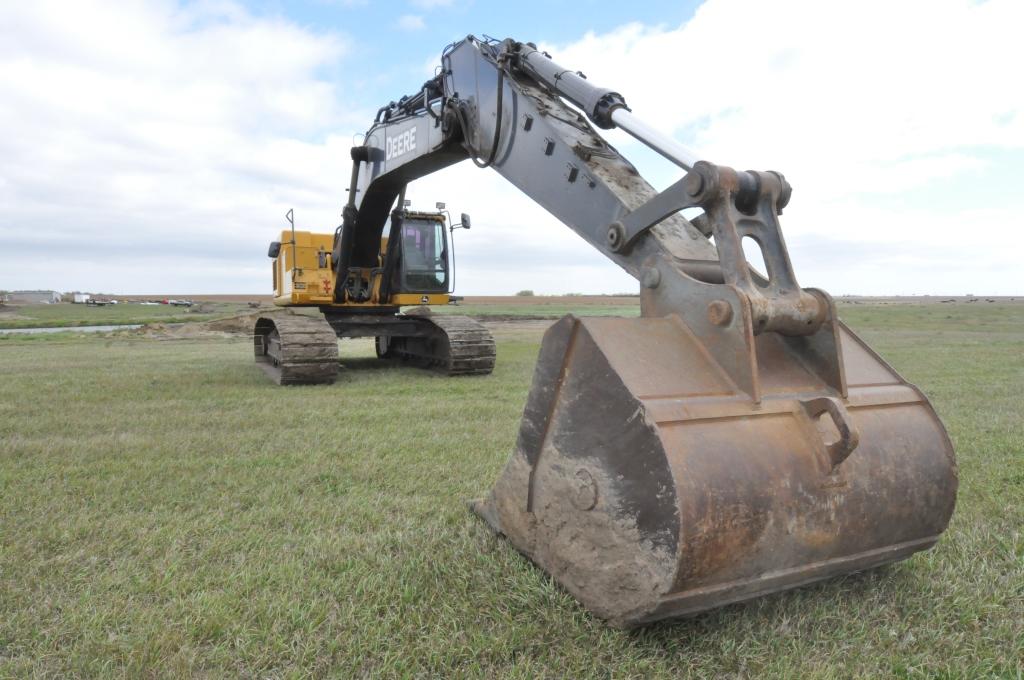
(144,145)
(884,89)
(147,148)
(411,22)
(881,114)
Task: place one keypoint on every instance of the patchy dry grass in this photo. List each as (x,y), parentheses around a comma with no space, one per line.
(164,511)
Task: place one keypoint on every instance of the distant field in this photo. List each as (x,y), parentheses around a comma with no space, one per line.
(67,314)
(164,511)
(203,297)
(493,307)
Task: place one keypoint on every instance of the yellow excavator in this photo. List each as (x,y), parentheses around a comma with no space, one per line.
(411,267)
(736,439)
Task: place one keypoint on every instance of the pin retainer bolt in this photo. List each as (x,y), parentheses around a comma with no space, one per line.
(651,277)
(719,312)
(616,235)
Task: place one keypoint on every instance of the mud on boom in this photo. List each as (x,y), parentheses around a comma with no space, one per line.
(737,439)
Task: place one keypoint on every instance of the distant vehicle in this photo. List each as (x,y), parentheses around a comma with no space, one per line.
(177,303)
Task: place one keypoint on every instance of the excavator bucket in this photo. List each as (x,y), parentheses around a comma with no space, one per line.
(694,457)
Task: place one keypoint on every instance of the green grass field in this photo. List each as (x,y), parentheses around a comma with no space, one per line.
(164,511)
(70,315)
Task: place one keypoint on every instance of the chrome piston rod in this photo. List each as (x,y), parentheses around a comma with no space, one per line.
(605,107)
(663,144)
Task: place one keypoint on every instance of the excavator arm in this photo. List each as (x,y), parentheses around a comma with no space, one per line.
(491,102)
(737,438)
(506,106)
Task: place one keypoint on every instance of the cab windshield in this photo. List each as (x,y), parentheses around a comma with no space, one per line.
(424,257)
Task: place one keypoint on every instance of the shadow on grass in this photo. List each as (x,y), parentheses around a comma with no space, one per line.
(371,363)
(846,596)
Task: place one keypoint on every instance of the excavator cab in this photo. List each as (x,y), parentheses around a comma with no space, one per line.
(422,255)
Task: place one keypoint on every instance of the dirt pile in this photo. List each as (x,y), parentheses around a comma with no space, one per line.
(235,326)
(242,326)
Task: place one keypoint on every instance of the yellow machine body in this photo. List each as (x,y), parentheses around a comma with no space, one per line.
(303,275)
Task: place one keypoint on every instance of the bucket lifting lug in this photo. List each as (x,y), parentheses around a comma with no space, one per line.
(840,449)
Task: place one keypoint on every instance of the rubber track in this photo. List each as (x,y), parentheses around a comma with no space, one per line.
(456,345)
(471,345)
(308,352)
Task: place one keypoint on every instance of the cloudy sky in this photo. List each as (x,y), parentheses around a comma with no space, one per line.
(154,146)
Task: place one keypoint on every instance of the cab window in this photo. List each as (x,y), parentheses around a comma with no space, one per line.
(424,257)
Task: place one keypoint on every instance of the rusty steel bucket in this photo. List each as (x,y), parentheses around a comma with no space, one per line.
(649,486)
(735,440)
